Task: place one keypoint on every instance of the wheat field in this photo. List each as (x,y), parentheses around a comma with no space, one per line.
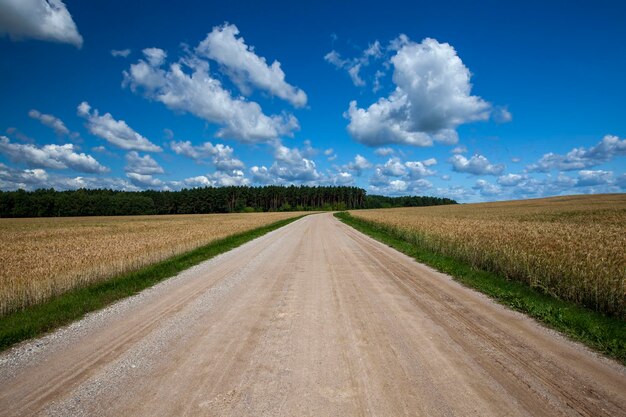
(572,247)
(44,257)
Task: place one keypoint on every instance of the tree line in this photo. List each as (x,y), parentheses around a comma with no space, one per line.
(102,202)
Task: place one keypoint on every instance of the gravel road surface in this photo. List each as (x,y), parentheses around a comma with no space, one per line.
(313,319)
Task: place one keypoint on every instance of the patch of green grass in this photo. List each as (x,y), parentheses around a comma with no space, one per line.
(41,318)
(603,333)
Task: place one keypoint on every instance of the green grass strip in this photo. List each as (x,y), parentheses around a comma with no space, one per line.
(41,318)
(602,333)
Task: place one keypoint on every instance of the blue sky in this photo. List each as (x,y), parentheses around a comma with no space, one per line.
(475,101)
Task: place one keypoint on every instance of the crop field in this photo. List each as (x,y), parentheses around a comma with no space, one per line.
(44,257)
(572,247)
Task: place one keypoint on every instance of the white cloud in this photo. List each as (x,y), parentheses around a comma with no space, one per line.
(330,153)
(261,175)
(486,188)
(144,180)
(339,178)
(502,115)
(30,179)
(155,56)
(384,151)
(218,179)
(377,85)
(220,155)
(459,149)
(580,158)
(432,97)
(476,165)
(51,121)
(50,156)
(245,67)
(354,65)
(291,165)
(116,132)
(47,20)
(143,165)
(510,180)
(394,167)
(358,165)
(121,52)
(381,184)
(398,177)
(203,96)
(419,169)
(591,178)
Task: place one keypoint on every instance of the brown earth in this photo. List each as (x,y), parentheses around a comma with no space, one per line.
(314,319)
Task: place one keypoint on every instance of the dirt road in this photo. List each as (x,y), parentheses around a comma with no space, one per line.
(314,319)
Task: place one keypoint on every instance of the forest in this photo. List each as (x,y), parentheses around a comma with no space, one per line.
(101,202)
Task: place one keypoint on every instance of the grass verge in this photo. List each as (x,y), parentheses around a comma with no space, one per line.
(602,333)
(41,318)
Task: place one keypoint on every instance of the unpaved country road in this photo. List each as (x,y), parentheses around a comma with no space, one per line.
(314,319)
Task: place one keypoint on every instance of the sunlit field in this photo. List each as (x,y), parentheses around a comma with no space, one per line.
(44,257)
(572,247)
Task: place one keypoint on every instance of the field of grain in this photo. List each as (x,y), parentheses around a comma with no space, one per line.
(573,247)
(43,257)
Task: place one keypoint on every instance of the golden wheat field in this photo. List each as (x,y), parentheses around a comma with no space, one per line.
(43,257)
(573,247)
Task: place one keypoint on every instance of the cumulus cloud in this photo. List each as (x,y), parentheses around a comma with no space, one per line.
(31,179)
(143,165)
(330,153)
(50,156)
(202,95)
(476,165)
(121,52)
(380,183)
(155,56)
(397,177)
(580,158)
(291,165)
(353,65)
(28,179)
(486,188)
(47,20)
(261,175)
(432,97)
(145,180)
(384,151)
(358,165)
(339,178)
(245,67)
(116,132)
(51,121)
(502,115)
(220,155)
(510,180)
(591,178)
(394,167)
(459,149)
(218,179)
